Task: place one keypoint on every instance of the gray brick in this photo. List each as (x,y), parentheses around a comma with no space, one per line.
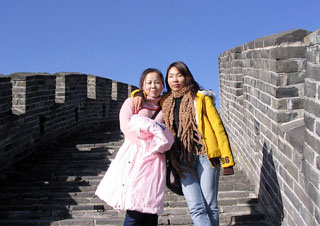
(298,219)
(292,197)
(279,104)
(288,221)
(313,142)
(258,43)
(295,78)
(297,158)
(312,192)
(265,53)
(313,72)
(318,128)
(313,38)
(291,36)
(317,216)
(287,92)
(296,103)
(309,121)
(310,88)
(291,168)
(250,45)
(287,178)
(283,117)
(304,198)
(272,78)
(312,107)
(295,137)
(313,54)
(311,174)
(286,66)
(282,53)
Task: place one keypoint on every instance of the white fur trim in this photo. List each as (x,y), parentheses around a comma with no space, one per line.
(209,93)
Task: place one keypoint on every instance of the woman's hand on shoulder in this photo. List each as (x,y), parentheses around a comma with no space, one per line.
(137,103)
(138,97)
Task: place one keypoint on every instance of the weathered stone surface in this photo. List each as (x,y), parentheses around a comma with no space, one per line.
(309,121)
(313,38)
(281,85)
(312,107)
(313,72)
(287,92)
(295,137)
(283,53)
(310,88)
(285,66)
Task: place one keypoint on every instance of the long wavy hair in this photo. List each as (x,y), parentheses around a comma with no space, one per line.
(184,70)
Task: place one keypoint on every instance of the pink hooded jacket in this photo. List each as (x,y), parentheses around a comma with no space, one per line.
(135,179)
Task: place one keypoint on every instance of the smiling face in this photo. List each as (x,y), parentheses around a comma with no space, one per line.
(175,79)
(152,84)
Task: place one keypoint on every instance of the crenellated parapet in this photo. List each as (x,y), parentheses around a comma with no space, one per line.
(38,108)
(270,106)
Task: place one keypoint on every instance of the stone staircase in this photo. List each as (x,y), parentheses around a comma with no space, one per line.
(56,187)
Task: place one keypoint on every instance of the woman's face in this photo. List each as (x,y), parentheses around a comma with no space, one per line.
(152,84)
(176,80)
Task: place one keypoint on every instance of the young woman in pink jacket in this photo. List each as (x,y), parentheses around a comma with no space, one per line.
(135,180)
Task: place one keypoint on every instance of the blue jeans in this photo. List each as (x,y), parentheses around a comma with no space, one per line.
(201,193)
(135,218)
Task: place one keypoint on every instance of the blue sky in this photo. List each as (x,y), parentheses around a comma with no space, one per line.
(118,39)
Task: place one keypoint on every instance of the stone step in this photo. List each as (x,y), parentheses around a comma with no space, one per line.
(104,222)
(74,164)
(53,178)
(50,180)
(115,135)
(91,145)
(73,155)
(172,215)
(85,218)
(24,183)
(16,203)
(56,187)
(90,193)
(76,168)
(244,208)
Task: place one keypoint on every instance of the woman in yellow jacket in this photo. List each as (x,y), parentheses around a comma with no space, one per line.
(201,144)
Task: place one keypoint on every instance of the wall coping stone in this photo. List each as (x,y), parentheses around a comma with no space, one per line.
(313,38)
(293,132)
(23,75)
(295,35)
(4,78)
(69,73)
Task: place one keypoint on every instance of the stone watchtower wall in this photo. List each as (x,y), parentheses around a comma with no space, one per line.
(38,108)
(270,106)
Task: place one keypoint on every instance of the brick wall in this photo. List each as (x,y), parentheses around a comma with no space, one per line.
(38,108)
(269,103)
(310,179)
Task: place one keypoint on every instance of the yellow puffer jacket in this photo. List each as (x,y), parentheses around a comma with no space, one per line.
(211,128)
